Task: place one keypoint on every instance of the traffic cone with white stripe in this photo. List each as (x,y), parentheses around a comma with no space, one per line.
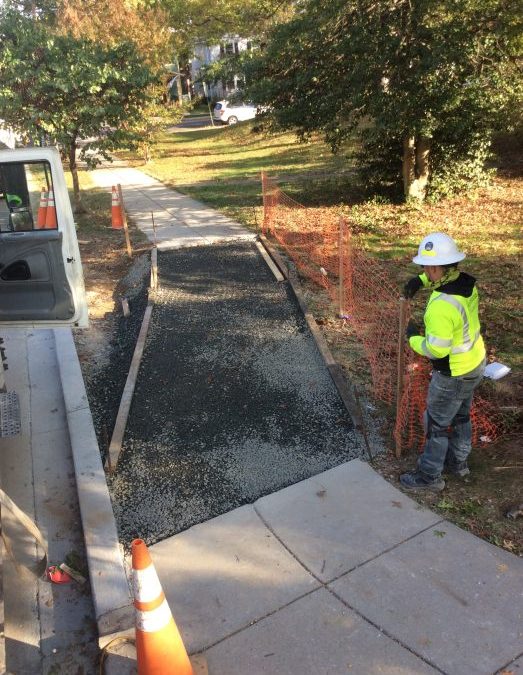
(159,646)
(50,214)
(42,210)
(116,210)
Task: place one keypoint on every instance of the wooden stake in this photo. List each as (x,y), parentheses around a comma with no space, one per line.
(125,227)
(154,230)
(154,269)
(401,364)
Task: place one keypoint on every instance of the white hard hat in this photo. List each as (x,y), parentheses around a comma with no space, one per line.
(438,248)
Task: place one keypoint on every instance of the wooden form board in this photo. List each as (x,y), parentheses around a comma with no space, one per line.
(115,446)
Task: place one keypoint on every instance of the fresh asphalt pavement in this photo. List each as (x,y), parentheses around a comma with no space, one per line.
(233,400)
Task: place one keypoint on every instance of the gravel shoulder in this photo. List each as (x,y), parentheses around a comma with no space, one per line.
(233,400)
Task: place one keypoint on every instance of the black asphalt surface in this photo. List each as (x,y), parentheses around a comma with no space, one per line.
(233,400)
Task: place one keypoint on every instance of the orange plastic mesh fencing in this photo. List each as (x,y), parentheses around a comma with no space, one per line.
(325,251)
(309,235)
(489,421)
(372,307)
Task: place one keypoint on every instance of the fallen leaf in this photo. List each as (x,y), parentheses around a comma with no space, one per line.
(398,505)
(502,568)
(439,533)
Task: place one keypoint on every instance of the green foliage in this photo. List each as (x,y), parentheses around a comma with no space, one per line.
(156,118)
(66,88)
(201,21)
(62,89)
(446,71)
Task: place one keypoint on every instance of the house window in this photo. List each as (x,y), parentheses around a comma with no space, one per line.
(229,48)
(236,48)
(249,46)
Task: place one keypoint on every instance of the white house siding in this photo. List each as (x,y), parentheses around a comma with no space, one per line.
(7,136)
(204,55)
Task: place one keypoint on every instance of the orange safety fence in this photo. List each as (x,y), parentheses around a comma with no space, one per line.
(311,234)
(325,251)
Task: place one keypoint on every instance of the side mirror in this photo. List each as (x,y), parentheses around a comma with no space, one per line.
(21,220)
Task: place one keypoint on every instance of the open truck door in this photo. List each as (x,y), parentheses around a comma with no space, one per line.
(41,280)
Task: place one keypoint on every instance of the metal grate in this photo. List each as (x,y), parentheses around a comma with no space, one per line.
(9,414)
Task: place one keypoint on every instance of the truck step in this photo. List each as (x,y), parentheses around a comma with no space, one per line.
(9,414)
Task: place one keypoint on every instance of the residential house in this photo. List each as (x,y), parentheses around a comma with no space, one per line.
(205,55)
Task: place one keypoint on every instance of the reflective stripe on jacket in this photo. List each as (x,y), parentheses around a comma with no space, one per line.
(452,329)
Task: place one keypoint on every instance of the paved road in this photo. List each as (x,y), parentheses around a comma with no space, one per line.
(196,122)
(233,400)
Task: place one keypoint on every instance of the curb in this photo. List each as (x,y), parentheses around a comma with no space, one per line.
(112,601)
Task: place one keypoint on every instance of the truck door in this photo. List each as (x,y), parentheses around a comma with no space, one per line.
(41,280)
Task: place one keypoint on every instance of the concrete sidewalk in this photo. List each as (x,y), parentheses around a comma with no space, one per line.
(341,573)
(179,220)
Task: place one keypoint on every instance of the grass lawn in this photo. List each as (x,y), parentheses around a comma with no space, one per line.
(222,166)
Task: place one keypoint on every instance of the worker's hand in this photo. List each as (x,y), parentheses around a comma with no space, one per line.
(411,330)
(412,287)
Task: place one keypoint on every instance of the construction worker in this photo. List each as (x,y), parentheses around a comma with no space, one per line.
(455,347)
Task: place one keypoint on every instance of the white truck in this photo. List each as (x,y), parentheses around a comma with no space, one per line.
(41,280)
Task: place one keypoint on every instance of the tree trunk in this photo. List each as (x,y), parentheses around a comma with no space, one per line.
(73,168)
(178,81)
(416,167)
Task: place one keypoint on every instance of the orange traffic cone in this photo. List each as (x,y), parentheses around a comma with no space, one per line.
(42,210)
(50,214)
(116,211)
(159,646)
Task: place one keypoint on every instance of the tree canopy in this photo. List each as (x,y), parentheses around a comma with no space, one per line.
(195,21)
(67,89)
(427,81)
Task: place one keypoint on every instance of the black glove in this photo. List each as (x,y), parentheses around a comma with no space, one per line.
(412,287)
(411,330)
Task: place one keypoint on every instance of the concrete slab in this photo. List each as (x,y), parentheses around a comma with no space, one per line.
(514,668)
(453,599)
(342,518)
(20,589)
(316,634)
(224,574)
(46,391)
(180,220)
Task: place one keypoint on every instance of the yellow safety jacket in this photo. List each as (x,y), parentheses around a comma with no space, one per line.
(452,330)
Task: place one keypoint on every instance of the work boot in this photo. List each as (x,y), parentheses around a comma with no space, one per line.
(416,480)
(460,469)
